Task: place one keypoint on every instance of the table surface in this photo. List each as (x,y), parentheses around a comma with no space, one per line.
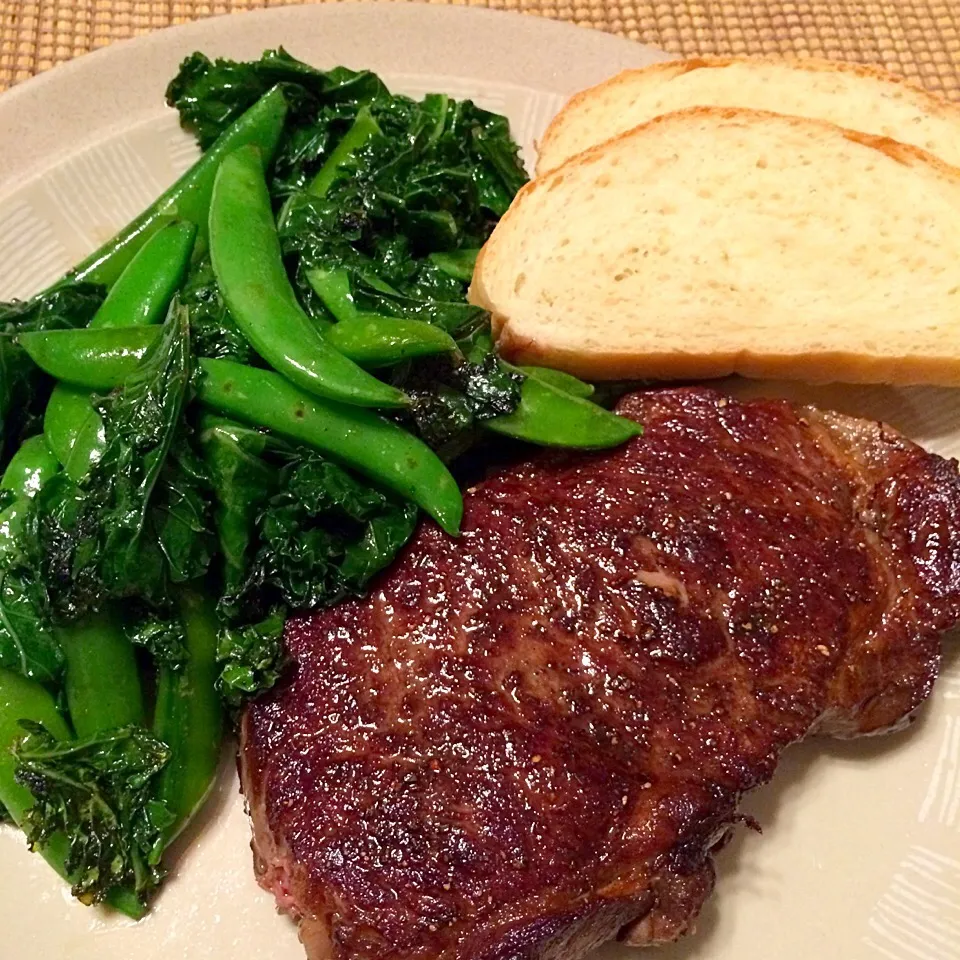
(917,38)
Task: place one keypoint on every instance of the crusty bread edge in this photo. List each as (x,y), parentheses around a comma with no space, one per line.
(817,368)
(847,367)
(931,102)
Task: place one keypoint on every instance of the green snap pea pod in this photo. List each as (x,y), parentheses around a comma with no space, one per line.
(333,288)
(73,430)
(101,359)
(372,340)
(141,295)
(248,264)
(29,469)
(23,699)
(364,128)
(552,418)
(188,198)
(93,359)
(457,263)
(101,679)
(189,715)
(564,382)
(371,445)
(144,290)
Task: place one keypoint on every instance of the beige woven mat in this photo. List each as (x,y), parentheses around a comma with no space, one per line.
(916,38)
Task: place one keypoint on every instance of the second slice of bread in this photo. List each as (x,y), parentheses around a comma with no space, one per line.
(851,95)
(715,241)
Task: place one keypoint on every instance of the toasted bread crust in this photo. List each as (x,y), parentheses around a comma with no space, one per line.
(830,367)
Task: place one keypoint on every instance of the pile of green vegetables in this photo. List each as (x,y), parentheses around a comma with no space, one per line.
(235,409)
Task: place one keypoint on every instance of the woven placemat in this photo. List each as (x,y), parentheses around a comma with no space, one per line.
(918,39)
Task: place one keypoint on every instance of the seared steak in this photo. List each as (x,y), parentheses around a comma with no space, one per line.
(529,740)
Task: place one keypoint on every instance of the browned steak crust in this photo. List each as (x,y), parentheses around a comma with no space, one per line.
(528,740)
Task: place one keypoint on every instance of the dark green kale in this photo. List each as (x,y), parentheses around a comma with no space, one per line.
(211,94)
(27,643)
(296,531)
(242,481)
(252,658)
(138,523)
(421,185)
(213,332)
(68,305)
(444,169)
(320,539)
(453,395)
(163,638)
(97,792)
(179,512)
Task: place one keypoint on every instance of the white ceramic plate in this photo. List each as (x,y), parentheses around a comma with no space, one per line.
(860,857)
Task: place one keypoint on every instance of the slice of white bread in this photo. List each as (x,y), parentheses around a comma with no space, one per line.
(714,241)
(851,95)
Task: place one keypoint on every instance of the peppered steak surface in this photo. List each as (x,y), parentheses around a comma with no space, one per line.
(529,740)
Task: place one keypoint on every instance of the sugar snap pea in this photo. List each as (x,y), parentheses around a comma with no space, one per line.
(553,411)
(248,264)
(188,198)
(29,469)
(74,430)
(102,681)
(364,128)
(101,359)
(372,340)
(23,699)
(94,359)
(550,417)
(189,715)
(564,382)
(145,288)
(457,263)
(371,445)
(333,288)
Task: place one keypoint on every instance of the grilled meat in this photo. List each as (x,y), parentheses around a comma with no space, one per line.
(529,740)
